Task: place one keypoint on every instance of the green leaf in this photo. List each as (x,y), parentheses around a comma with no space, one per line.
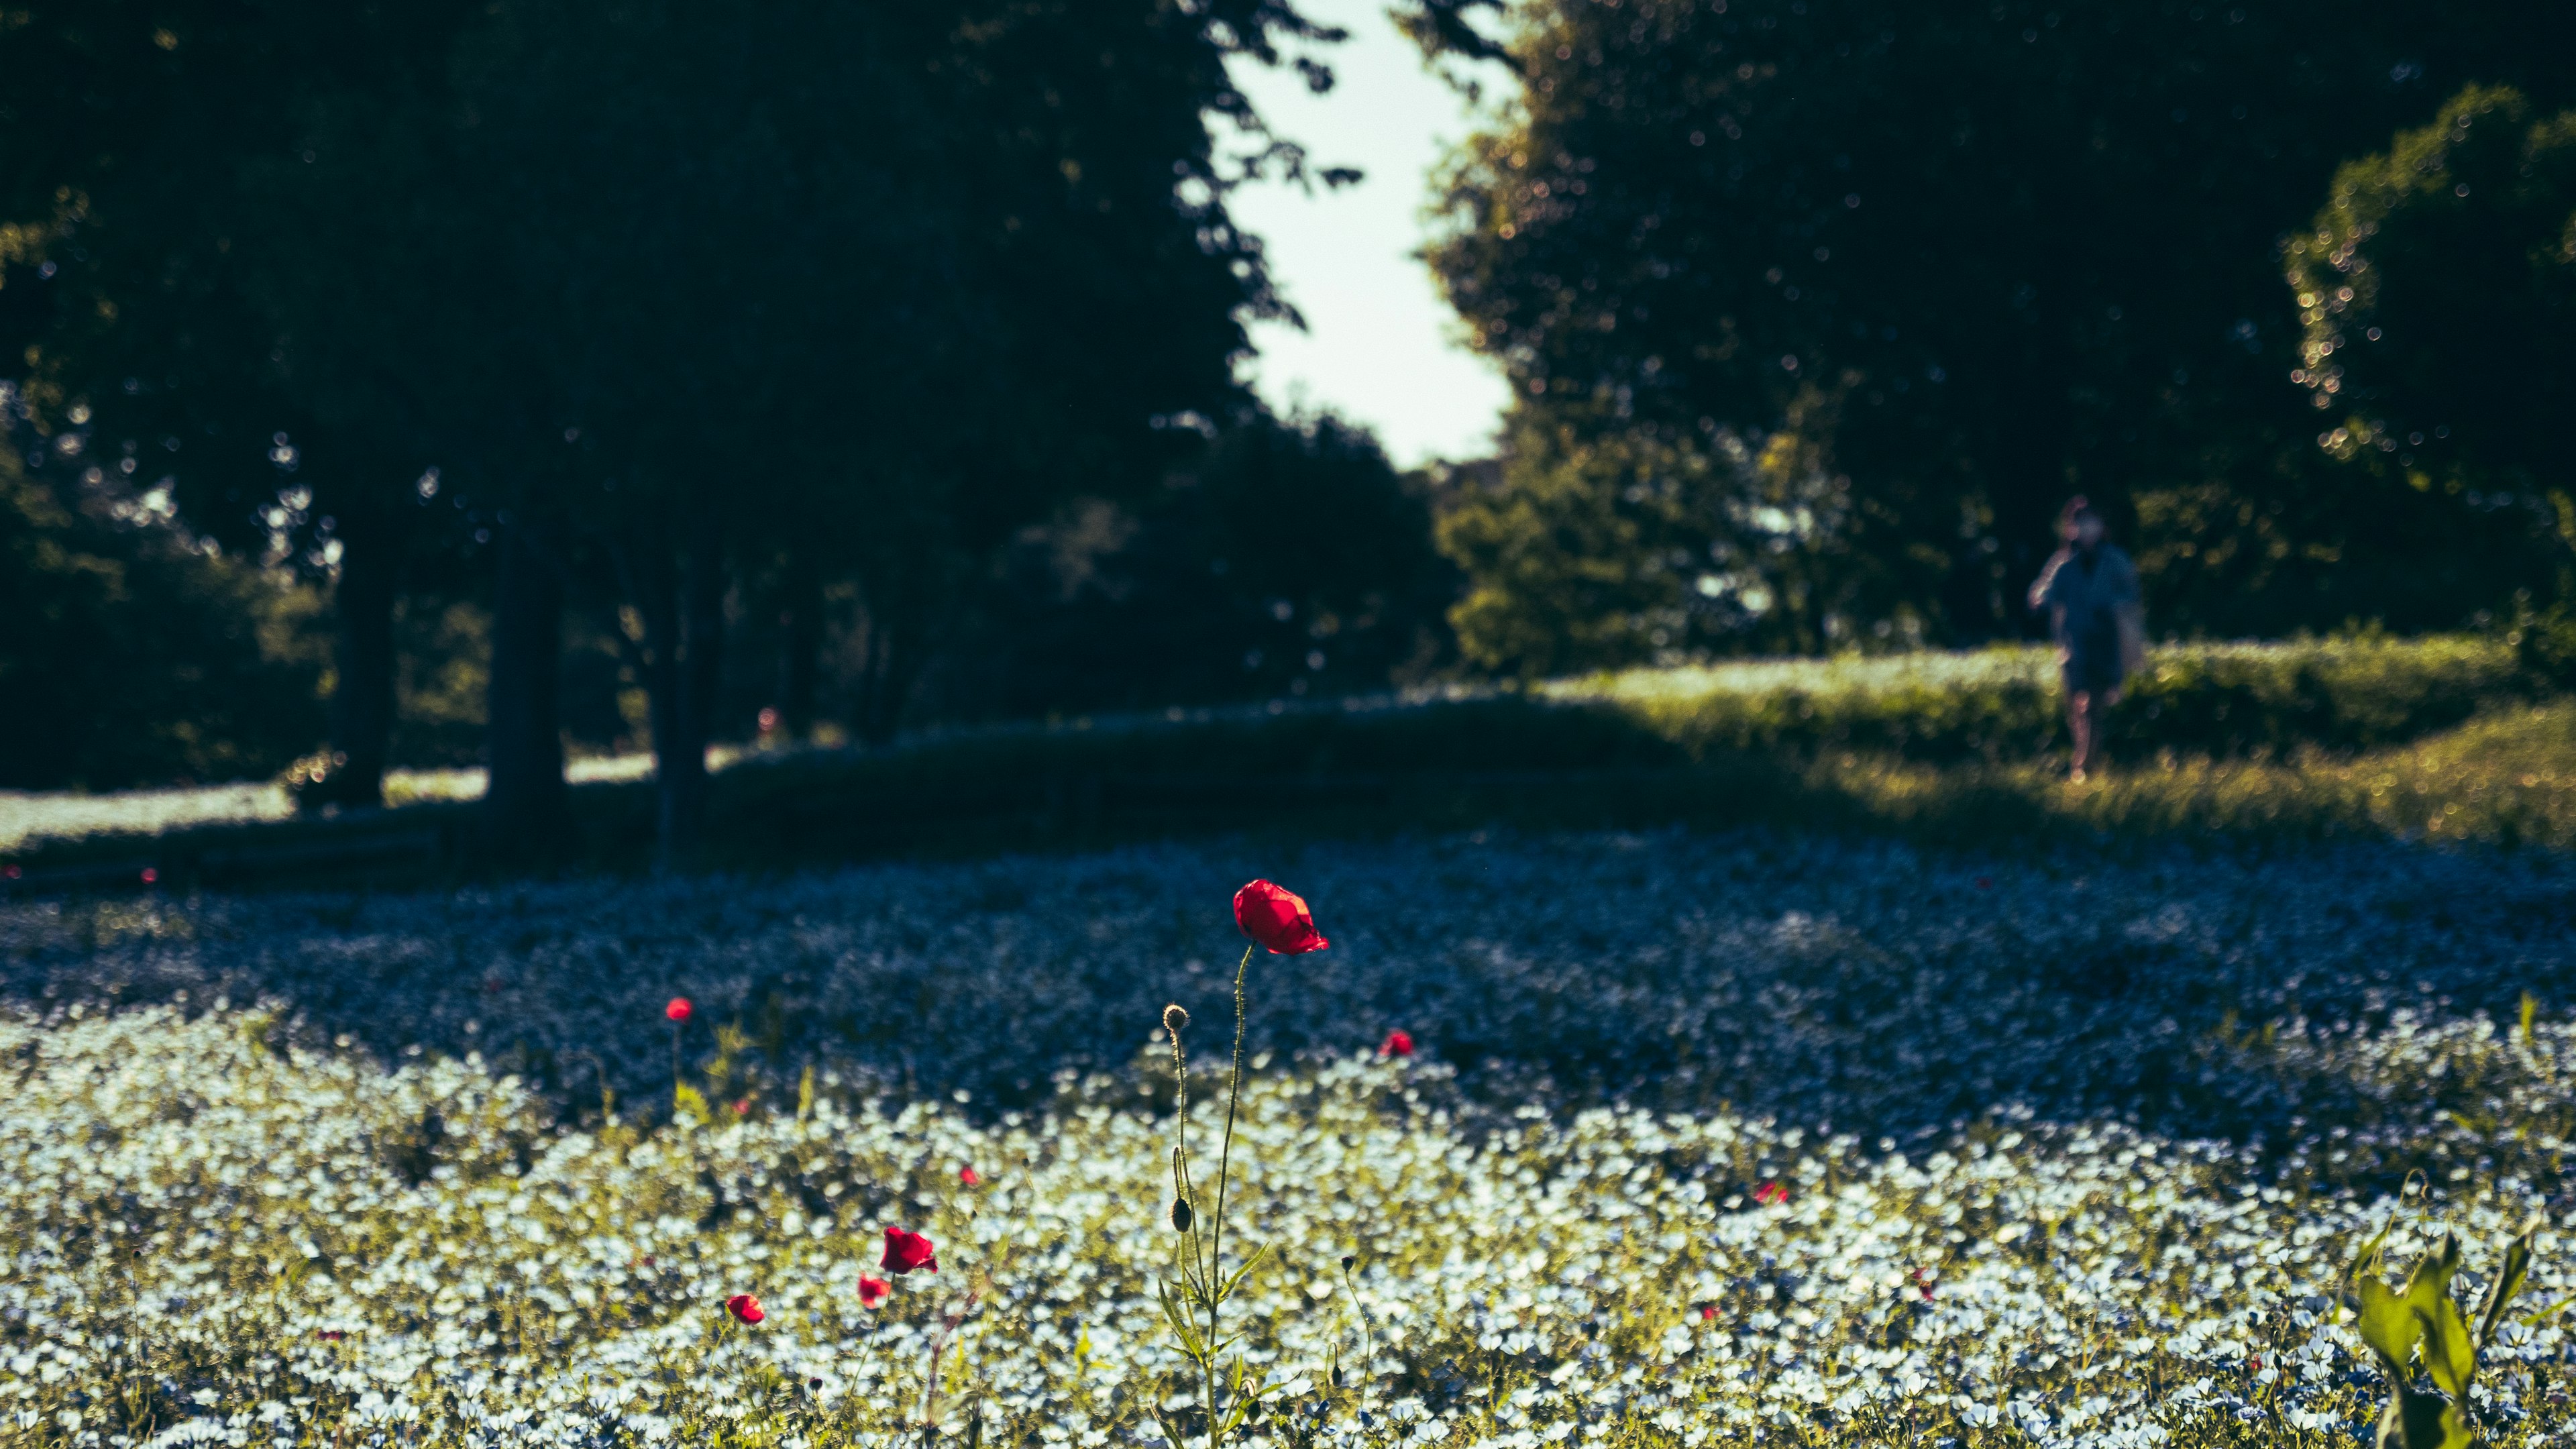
(2429,1286)
(1243,1272)
(2420,1421)
(1180,1321)
(1171,1431)
(2366,1264)
(689,1106)
(2449,1354)
(2534,1320)
(2509,1279)
(2387,1325)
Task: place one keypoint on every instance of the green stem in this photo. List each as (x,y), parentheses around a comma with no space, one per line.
(1224,1158)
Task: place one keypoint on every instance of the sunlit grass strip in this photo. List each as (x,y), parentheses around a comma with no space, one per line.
(2003,703)
(2507,779)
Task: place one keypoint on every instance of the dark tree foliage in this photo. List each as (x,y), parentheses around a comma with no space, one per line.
(2438,289)
(1288,557)
(129,132)
(1978,256)
(133,655)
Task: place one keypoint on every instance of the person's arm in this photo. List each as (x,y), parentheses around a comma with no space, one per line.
(2043,590)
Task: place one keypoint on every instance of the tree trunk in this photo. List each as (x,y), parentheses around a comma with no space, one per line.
(362,699)
(682,602)
(801,649)
(527,815)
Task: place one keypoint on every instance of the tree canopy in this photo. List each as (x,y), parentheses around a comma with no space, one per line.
(1974,257)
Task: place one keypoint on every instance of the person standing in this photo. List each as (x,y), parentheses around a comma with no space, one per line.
(2090,590)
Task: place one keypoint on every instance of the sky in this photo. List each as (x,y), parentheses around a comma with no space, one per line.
(1379,346)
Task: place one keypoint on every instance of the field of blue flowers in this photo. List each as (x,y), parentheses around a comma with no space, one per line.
(1639,1139)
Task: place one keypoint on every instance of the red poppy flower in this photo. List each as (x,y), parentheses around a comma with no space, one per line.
(150,875)
(872,1291)
(1708,1313)
(679,1009)
(907,1251)
(330,1335)
(1923,1280)
(1398,1043)
(1771,1194)
(745,1307)
(969,1176)
(1277,917)
(742,1107)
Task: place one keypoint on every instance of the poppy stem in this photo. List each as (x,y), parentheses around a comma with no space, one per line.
(1224,1159)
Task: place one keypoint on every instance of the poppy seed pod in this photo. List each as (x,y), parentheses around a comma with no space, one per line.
(1174,1018)
(1181,1215)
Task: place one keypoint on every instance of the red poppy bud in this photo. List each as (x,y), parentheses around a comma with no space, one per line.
(1771,1194)
(969,1176)
(1398,1043)
(1277,918)
(679,1009)
(872,1291)
(906,1251)
(745,1307)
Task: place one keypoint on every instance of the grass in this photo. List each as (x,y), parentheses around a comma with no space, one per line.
(2440,738)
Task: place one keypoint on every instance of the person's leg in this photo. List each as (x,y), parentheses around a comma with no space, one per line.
(2079,722)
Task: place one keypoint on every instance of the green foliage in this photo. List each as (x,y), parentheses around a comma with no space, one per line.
(2424,1318)
(1979,259)
(1286,557)
(2437,287)
(1631,549)
(135,655)
(2339,695)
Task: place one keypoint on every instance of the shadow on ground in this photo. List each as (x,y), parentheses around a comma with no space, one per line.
(1865,985)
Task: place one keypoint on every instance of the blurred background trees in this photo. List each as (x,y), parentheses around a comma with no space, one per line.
(1967,259)
(477,382)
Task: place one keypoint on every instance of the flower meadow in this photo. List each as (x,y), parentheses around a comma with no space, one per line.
(1639,1139)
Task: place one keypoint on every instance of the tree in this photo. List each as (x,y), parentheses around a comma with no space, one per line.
(137,653)
(1282,556)
(1985,256)
(2438,286)
(1600,552)
(121,217)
